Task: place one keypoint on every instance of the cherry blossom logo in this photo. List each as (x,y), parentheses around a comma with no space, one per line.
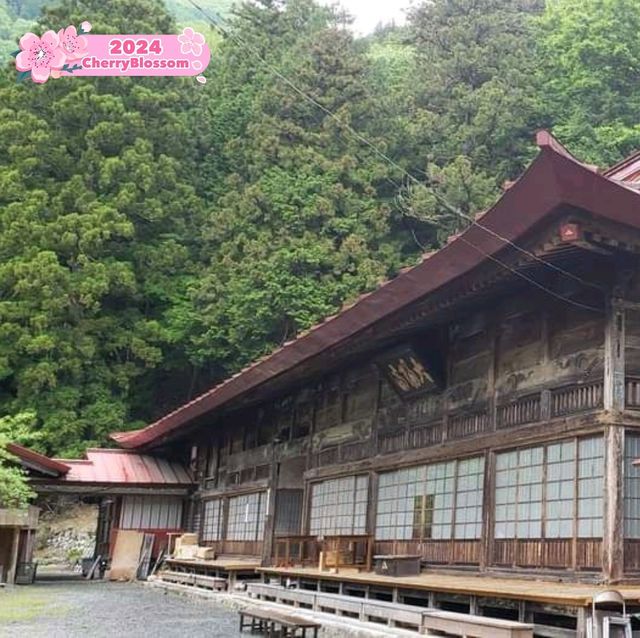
(70,52)
(73,45)
(191,41)
(49,55)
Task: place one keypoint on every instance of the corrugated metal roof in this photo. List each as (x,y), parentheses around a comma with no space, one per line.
(123,467)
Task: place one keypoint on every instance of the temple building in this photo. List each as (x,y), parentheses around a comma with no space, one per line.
(480,411)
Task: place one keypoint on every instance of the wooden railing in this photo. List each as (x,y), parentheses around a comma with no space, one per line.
(346,452)
(435,552)
(632,393)
(523,410)
(326,552)
(468,423)
(508,413)
(576,398)
(291,551)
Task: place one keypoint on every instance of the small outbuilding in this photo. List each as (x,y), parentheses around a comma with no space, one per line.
(18,526)
(134,493)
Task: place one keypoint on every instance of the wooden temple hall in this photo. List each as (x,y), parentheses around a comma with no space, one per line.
(465,436)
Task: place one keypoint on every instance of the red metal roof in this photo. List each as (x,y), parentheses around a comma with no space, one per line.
(37,461)
(121,466)
(554,178)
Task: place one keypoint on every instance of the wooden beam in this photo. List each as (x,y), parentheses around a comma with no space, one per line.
(614,402)
(13,557)
(614,365)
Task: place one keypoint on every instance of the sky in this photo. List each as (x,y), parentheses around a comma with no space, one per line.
(368,13)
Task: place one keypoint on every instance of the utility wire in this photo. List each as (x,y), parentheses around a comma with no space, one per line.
(217,23)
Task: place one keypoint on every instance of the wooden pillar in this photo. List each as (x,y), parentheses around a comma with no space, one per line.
(613,536)
(13,557)
(372,507)
(614,365)
(614,398)
(270,521)
(488,511)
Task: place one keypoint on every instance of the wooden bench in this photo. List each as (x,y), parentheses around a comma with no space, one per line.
(395,614)
(474,626)
(363,609)
(275,623)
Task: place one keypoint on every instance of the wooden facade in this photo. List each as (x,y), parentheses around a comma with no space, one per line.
(488,425)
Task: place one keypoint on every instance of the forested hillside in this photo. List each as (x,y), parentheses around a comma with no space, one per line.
(157,234)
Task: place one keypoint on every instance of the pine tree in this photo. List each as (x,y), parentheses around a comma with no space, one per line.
(475,103)
(98,234)
(304,221)
(589,52)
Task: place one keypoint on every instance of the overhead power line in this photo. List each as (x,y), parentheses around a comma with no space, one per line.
(229,33)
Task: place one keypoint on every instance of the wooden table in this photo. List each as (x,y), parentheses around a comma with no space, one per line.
(274,623)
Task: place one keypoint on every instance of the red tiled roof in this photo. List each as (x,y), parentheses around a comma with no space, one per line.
(125,467)
(554,178)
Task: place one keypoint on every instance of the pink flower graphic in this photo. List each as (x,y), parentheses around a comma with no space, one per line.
(73,45)
(40,55)
(85,27)
(191,41)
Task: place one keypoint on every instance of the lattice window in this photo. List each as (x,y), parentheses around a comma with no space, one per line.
(439,501)
(246,517)
(561,469)
(590,487)
(469,491)
(212,520)
(339,506)
(631,487)
(397,494)
(518,512)
(563,480)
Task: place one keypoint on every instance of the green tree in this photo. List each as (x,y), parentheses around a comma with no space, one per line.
(304,218)
(472,103)
(590,71)
(99,223)
(14,489)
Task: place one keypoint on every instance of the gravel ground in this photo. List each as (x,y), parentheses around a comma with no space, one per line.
(78,609)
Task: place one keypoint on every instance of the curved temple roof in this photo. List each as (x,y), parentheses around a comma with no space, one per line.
(554,178)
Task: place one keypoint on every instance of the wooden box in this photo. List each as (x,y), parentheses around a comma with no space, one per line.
(397,565)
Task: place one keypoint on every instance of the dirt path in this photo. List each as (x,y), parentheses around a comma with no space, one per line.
(78,609)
